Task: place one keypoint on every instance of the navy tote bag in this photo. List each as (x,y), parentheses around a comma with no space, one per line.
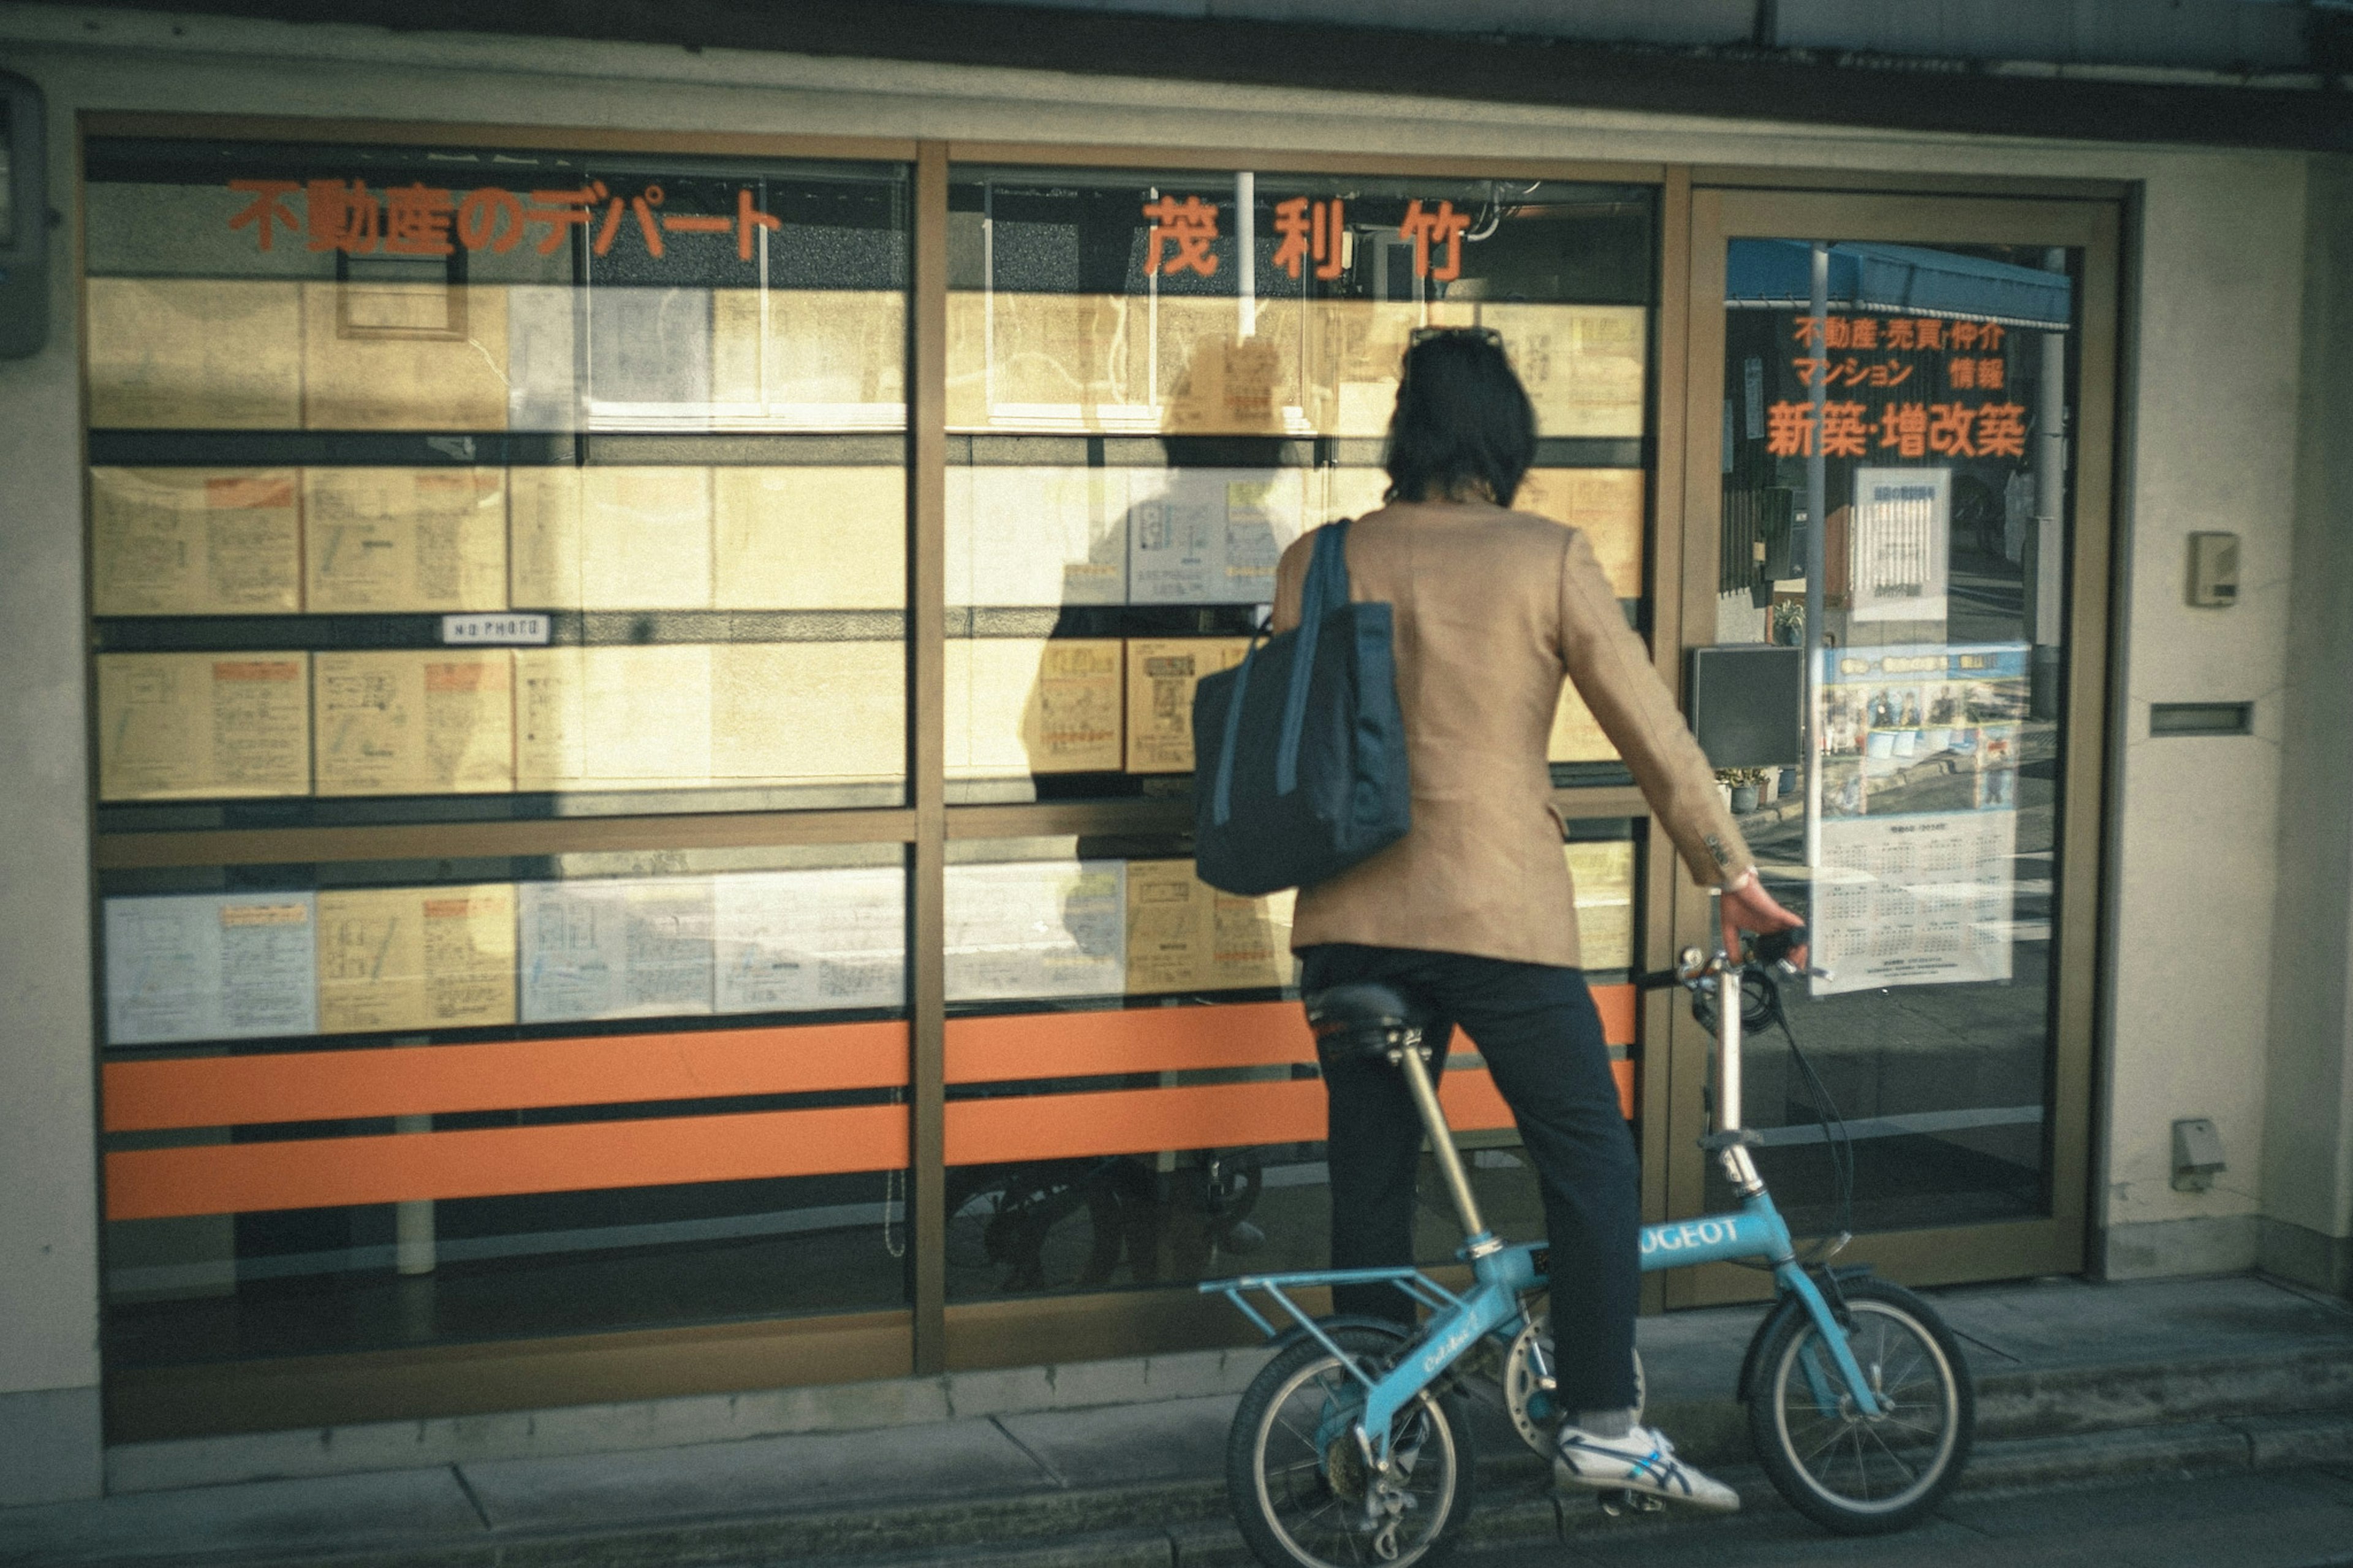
(1299,750)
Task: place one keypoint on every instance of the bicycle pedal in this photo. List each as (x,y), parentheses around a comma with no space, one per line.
(1618,1503)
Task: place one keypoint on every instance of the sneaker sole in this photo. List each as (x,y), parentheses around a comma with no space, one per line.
(1564,1476)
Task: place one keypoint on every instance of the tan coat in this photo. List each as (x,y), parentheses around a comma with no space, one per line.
(1493,609)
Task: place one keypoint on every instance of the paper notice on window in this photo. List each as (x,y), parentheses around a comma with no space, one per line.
(1336,493)
(617,718)
(1583,365)
(809,539)
(1161,675)
(1250,945)
(1169,928)
(195,542)
(1911,891)
(1017,706)
(1036,929)
(213,966)
(1184,935)
(624,949)
(400,355)
(796,712)
(203,726)
(416,958)
(1577,735)
(1603,874)
(182,353)
(609,538)
(1061,361)
(415,723)
(800,941)
(1034,536)
(545,374)
(1212,385)
(1915,900)
(1210,536)
(808,359)
(1606,504)
(388,540)
(1073,724)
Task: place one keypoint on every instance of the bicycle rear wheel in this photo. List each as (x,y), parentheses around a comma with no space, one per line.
(1298,1486)
(1855,1474)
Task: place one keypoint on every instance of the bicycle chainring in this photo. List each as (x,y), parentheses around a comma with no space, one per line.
(1528,1395)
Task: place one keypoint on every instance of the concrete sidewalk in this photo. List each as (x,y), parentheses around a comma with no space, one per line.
(2076,1383)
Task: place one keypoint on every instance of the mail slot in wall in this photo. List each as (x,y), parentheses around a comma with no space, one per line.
(2201,718)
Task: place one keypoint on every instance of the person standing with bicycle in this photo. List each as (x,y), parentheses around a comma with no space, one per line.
(1471,915)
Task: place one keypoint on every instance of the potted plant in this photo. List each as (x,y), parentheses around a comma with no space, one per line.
(1745,785)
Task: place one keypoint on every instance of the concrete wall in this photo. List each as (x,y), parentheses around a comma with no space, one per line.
(48,1161)
(2215,382)
(2308,1172)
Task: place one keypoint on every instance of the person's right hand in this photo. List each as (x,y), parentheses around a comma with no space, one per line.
(1747,906)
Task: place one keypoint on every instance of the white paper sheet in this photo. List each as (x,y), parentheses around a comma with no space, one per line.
(1036,536)
(794,941)
(211,967)
(1210,536)
(1037,928)
(621,949)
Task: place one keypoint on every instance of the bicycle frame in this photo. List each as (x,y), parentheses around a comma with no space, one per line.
(1501,1275)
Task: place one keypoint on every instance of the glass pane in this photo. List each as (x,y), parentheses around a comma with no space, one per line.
(1157,382)
(641,423)
(1133,1095)
(353,1107)
(1929,403)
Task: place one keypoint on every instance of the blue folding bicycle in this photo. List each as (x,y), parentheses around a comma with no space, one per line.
(1352,1446)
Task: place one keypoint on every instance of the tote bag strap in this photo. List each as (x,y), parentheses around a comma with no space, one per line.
(1326,590)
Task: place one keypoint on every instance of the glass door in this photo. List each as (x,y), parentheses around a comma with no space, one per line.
(1905,496)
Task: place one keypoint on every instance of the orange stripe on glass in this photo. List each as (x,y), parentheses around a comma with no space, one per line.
(330,1173)
(1142,1040)
(505,1075)
(1013,1047)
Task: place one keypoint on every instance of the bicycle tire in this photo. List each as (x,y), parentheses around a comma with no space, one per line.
(1274,1496)
(1914,1362)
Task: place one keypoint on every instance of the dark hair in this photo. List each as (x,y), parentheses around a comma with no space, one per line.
(1464,424)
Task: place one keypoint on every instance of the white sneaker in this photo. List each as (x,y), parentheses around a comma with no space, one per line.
(1641,1461)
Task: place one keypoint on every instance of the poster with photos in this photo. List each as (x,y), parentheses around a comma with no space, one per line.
(1920,757)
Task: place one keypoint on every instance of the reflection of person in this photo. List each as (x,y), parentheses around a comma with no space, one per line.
(1471,915)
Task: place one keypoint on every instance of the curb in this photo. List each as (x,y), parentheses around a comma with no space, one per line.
(2067,1426)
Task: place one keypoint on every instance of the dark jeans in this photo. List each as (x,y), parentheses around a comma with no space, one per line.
(1537,1026)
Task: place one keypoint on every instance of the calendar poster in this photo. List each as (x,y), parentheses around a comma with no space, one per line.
(1919,813)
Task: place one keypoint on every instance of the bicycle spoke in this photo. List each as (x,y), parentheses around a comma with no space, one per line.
(1909,1472)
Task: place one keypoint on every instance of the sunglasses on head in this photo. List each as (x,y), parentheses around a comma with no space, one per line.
(1422,335)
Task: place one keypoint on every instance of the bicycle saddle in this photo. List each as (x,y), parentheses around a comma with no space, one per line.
(1363,1019)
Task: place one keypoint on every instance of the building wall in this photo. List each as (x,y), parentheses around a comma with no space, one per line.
(2212,387)
(2307,1172)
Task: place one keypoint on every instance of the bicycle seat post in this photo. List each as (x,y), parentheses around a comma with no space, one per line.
(1480,1241)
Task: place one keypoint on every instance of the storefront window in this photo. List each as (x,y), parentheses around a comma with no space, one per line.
(1910,442)
(1133,1094)
(445,488)
(1157,382)
(640,425)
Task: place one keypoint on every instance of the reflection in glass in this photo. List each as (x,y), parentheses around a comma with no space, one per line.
(1910,439)
(1158,383)
(658,406)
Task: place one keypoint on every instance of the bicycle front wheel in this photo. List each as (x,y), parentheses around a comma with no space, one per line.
(1860,1475)
(1298,1484)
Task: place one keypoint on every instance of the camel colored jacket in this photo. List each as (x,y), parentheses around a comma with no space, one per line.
(1493,609)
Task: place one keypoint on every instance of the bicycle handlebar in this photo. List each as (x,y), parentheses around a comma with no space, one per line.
(1765,951)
